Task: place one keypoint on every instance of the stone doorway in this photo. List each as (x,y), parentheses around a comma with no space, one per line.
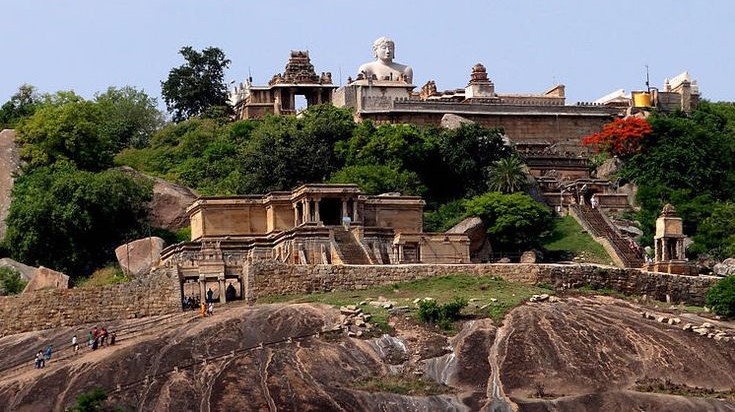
(330,211)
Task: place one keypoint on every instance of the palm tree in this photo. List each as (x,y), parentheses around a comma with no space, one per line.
(508,175)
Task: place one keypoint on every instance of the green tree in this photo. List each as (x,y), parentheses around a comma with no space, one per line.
(198,85)
(66,128)
(688,161)
(20,106)
(11,281)
(468,152)
(91,401)
(507,175)
(716,233)
(376,179)
(129,117)
(721,297)
(72,220)
(514,221)
(286,151)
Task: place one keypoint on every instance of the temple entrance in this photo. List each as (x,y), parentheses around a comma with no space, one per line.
(330,211)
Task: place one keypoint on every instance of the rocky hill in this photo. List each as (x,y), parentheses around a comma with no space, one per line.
(579,353)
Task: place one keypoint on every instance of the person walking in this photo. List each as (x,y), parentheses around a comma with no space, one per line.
(49,350)
(210,309)
(75,344)
(203,309)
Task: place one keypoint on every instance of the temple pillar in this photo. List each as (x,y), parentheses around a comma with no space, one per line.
(355,215)
(344,207)
(316,209)
(221,281)
(295,215)
(307,210)
(202,288)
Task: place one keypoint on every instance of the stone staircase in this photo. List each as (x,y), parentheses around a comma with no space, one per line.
(599,227)
(352,251)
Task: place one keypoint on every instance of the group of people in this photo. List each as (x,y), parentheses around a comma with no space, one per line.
(96,339)
(206,309)
(191,302)
(194,302)
(43,356)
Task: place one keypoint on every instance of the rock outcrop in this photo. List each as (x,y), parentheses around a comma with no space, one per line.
(26,272)
(725,268)
(138,257)
(608,168)
(46,278)
(167,210)
(9,166)
(452,121)
(577,353)
(480,249)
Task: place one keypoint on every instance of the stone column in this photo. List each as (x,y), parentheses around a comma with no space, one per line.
(295,215)
(221,280)
(202,288)
(355,215)
(316,209)
(307,210)
(344,207)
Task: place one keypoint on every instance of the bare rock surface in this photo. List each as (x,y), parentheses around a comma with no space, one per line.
(26,272)
(588,352)
(725,268)
(167,210)
(453,121)
(47,278)
(138,257)
(9,165)
(480,249)
(609,168)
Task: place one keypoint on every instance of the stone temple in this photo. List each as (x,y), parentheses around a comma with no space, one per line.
(312,224)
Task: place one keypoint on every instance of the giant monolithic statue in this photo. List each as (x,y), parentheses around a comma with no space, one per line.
(384,68)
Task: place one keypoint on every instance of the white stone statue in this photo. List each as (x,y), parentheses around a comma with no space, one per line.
(383,68)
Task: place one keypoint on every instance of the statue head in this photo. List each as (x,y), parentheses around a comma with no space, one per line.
(384,49)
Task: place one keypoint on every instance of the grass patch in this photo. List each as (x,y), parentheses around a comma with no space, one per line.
(488,296)
(110,275)
(568,238)
(402,385)
(655,385)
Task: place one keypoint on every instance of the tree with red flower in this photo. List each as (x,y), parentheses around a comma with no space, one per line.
(621,137)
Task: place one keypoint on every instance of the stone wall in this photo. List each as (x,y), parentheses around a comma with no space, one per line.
(156,294)
(264,278)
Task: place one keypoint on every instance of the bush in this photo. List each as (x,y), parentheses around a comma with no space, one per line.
(11,281)
(721,297)
(442,315)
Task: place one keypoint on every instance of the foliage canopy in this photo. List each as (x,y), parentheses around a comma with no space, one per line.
(721,297)
(197,87)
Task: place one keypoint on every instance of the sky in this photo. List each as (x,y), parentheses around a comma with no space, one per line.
(592,47)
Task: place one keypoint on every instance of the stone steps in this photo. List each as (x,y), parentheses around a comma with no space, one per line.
(599,227)
(352,251)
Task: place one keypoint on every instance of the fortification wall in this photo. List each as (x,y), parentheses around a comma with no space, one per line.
(160,293)
(156,294)
(267,278)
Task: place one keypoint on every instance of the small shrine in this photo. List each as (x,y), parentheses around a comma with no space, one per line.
(669,251)
(279,97)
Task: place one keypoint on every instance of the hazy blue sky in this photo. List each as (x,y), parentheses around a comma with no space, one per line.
(593,47)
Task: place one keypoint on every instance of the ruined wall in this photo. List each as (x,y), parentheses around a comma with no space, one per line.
(267,278)
(156,294)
